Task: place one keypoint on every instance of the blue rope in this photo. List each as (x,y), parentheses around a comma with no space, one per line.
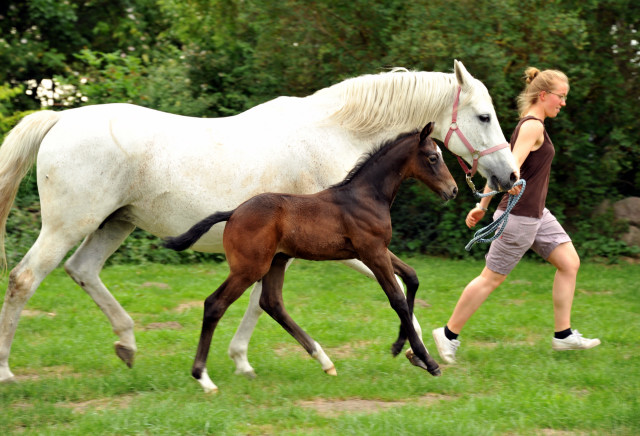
(501,222)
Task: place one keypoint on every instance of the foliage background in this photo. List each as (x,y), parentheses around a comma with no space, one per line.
(211,58)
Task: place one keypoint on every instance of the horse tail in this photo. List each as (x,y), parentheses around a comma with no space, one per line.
(17,156)
(187,239)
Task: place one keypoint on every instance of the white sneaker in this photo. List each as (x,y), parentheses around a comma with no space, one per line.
(574,341)
(446,348)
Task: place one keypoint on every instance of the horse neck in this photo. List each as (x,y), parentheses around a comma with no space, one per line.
(376,108)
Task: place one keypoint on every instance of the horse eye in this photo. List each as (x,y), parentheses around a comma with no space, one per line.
(484,118)
(433,159)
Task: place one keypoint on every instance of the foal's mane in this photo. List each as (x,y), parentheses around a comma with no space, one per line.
(399,100)
(371,156)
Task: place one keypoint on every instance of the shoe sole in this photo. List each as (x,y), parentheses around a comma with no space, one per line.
(573,348)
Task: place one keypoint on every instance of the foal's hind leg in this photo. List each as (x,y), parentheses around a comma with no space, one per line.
(45,254)
(84,268)
(271,301)
(214,307)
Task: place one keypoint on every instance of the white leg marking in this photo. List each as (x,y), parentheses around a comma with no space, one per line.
(206,383)
(326,363)
(240,343)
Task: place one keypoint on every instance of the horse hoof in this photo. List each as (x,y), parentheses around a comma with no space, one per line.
(396,349)
(9,381)
(248,374)
(331,371)
(126,354)
(416,361)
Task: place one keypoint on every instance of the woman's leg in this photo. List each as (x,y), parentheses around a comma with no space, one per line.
(474,294)
(565,258)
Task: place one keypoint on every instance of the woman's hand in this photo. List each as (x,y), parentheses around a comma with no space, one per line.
(515,190)
(474,215)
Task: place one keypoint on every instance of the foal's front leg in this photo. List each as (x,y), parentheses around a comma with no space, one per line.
(380,263)
(410,279)
(272,303)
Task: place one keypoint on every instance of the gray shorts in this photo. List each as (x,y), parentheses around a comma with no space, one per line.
(542,235)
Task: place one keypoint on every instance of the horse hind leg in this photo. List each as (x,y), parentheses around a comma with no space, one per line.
(45,254)
(84,268)
(272,303)
(239,345)
(214,308)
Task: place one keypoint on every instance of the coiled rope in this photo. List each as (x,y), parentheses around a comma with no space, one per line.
(501,222)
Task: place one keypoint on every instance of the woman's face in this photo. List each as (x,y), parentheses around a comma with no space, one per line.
(554,99)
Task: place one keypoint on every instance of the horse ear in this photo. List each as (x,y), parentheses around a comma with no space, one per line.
(462,75)
(426,131)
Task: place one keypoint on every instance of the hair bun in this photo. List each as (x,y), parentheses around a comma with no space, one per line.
(530,74)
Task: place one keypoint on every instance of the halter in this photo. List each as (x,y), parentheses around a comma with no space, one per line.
(475,154)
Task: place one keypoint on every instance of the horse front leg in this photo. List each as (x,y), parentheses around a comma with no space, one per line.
(272,302)
(410,279)
(381,265)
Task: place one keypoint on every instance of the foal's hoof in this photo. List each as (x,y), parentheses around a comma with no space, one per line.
(125,353)
(331,371)
(415,360)
(396,348)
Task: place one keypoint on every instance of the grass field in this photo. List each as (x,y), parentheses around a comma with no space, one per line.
(508,380)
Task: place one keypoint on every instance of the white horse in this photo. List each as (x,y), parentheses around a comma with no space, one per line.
(103,170)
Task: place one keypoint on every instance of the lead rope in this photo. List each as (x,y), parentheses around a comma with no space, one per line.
(501,222)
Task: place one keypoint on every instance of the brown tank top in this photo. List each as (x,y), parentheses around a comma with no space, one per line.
(535,169)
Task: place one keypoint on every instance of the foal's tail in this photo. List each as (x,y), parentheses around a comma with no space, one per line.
(187,239)
(17,156)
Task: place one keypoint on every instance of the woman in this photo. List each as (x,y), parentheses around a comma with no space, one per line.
(530,224)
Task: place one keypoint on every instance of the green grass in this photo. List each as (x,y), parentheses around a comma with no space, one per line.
(508,380)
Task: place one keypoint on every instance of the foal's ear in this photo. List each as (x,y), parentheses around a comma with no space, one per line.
(426,131)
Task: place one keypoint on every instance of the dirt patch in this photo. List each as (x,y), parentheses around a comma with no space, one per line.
(341,352)
(32,312)
(169,325)
(603,292)
(155,285)
(99,404)
(58,371)
(330,408)
(183,307)
(421,303)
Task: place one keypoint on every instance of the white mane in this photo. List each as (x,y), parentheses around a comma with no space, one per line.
(400,100)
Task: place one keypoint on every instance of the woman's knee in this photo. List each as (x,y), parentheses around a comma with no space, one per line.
(565,258)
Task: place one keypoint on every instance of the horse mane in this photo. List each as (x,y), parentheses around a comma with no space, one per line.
(369,156)
(399,100)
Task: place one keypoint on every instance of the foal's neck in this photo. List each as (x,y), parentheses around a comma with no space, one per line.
(382,175)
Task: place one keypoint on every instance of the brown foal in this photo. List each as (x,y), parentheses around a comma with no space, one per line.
(350,220)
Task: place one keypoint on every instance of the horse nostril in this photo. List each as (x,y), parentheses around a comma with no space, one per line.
(513,178)
(455,192)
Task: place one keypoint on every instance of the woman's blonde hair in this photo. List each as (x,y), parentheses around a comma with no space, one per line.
(538,81)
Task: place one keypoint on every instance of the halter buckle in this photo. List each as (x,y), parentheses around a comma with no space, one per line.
(470,183)
(454,126)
